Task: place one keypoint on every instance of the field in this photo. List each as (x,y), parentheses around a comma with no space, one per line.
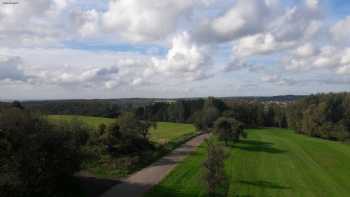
(165,131)
(271,162)
(90,120)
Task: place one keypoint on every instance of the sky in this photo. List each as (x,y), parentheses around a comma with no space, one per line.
(85,49)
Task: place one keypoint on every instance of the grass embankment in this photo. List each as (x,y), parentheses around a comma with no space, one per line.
(271,162)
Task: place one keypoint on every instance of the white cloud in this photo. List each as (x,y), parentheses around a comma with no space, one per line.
(306,50)
(220,36)
(259,44)
(246,17)
(341,30)
(313,4)
(332,58)
(344,70)
(297,23)
(184,59)
(86,22)
(28,23)
(147,20)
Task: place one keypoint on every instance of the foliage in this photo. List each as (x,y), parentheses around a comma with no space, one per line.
(324,115)
(205,119)
(214,167)
(36,158)
(229,129)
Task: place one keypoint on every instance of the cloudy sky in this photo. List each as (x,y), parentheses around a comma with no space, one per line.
(61,49)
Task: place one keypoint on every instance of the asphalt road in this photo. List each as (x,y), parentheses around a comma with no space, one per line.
(140,182)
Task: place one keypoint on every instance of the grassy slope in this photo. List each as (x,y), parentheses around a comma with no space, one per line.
(164,132)
(271,162)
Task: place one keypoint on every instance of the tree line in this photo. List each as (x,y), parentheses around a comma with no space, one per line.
(322,115)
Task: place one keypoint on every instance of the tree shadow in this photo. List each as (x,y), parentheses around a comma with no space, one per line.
(93,186)
(258,146)
(264,184)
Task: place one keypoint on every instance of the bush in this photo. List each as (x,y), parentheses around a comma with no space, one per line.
(36,158)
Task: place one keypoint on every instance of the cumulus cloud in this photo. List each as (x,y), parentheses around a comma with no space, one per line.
(184,59)
(218,36)
(148,20)
(246,17)
(326,57)
(259,44)
(306,50)
(29,23)
(341,30)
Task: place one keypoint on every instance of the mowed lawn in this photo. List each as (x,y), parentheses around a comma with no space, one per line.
(165,131)
(271,162)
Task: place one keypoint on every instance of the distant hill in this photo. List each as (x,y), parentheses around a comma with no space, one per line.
(146,101)
(282,98)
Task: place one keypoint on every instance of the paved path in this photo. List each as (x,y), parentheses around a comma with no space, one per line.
(139,183)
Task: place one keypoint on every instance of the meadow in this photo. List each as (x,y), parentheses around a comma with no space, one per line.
(164,132)
(270,162)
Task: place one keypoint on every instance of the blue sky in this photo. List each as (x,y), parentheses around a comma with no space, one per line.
(61,49)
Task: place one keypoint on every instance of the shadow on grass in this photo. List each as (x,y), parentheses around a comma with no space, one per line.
(258,146)
(264,184)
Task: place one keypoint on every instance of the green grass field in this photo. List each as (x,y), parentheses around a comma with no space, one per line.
(271,162)
(165,131)
(90,120)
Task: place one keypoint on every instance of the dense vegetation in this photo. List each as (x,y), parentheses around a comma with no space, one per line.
(39,155)
(37,158)
(324,115)
(270,162)
(117,147)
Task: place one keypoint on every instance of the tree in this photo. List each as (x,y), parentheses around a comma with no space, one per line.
(126,135)
(214,167)
(145,126)
(205,118)
(323,115)
(229,129)
(36,158)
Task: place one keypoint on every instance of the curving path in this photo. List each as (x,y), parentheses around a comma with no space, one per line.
(140,182)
